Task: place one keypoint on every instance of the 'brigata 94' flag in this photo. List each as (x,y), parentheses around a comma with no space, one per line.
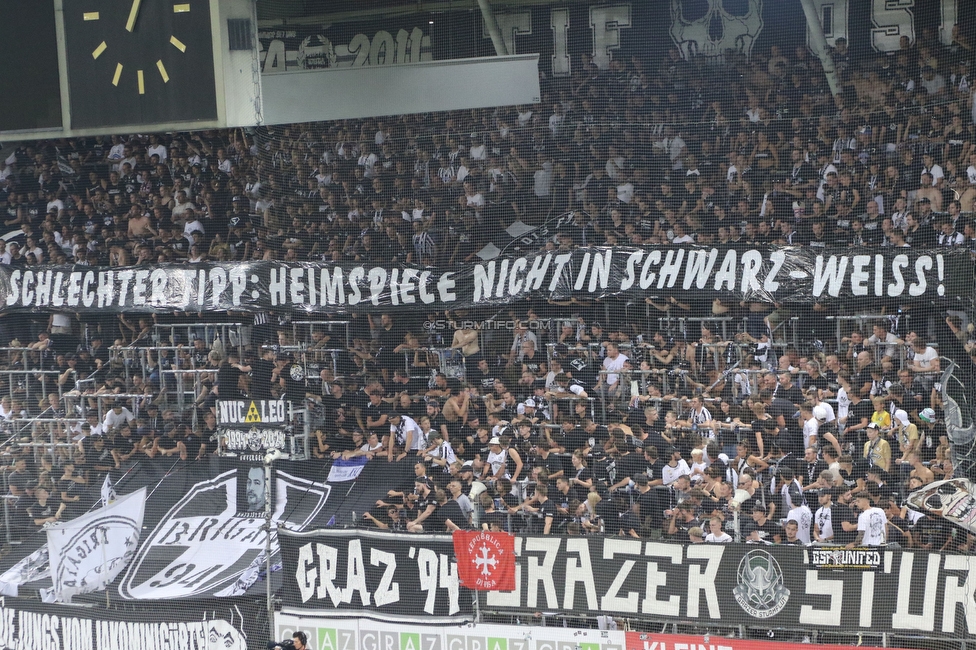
(486,561)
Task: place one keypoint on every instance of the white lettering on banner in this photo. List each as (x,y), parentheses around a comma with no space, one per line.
(752,273)
(903,619)
(541,573)
(891,19)
(702,582)
(316,574)
(833,19)
(656,579)
(28,630)
(606,22)
(251,412)
(611,602)
(960,591)
(580,572)
(562,63)
(317,51)
(510,24)
(189,554)
(833,589)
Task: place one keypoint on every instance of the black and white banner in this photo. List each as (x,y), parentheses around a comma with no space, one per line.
(89,552)
(781,275)
(368,573)
(769,586)
(212,541)
(27,625)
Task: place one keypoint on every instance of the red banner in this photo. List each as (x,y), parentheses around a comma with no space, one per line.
(650,641)
(486,561)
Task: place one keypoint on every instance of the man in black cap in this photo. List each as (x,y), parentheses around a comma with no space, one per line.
(759,529)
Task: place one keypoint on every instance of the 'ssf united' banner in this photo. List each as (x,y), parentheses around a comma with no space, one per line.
(730,584)
(783,275)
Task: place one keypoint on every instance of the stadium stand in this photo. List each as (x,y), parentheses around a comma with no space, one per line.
(539,395)
(674,418)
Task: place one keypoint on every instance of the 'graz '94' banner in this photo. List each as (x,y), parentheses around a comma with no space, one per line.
(767,586)
(783,275)
(375,574)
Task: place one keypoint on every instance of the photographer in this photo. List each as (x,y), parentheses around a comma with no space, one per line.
(298,641)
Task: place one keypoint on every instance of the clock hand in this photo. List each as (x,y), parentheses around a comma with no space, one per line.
(133,13)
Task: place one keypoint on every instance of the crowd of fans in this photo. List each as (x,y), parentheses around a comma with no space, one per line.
(785,427)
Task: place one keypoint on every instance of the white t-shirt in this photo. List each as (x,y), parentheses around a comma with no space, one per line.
(803,518)
(810,429)
(670,474)
(874,524)
(113,419)
(721,538)
(408,425)
(612,365)
(825,521)
(159,150)
(924,359)
(890,339)
(843,404)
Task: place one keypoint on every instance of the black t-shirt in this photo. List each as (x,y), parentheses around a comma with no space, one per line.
(450,510)
(575,439)
(547,509)
(629,522)
(840,513)
(767,530)
(388,339)
(227,380)
(49,509)
(630,465)
(261,370)
(793,394)
(95,456)
(166,443)
(193,444)
(422,504)
(19,479)
(484,379)
(857,412)
(650,505)
(784,407)
(70,488)
(375,411)
(295,387)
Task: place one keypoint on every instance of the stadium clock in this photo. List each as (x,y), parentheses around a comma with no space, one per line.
(139,61)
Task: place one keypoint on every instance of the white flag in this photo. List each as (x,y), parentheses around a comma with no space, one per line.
(88,553)
(108,492)
(33,567)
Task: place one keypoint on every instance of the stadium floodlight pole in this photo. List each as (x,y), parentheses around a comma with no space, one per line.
(269,460)
(819,45)
(496,34)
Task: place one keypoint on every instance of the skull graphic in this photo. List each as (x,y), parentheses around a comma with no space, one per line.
(712,27)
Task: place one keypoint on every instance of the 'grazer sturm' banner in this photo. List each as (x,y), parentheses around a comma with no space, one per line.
(782,275)
(768,586)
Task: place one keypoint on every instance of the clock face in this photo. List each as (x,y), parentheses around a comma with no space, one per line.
(139,62)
